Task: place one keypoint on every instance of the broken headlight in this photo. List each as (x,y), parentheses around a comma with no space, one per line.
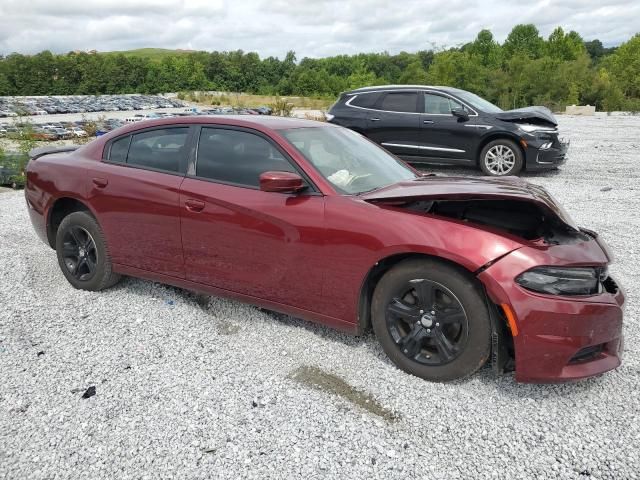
(532,128)
(563,280)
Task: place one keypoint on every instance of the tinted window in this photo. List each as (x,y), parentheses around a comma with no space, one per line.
(161,149)
(365,100)
(238,157)
(119,149)
(399,102)
(437,104)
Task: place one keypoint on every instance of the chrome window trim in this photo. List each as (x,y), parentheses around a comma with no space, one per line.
(421,147)
(354,95)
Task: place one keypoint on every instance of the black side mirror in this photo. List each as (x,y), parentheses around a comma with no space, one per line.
(460,113)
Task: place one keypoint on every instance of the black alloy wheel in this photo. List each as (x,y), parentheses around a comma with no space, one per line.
(79,253)
(432,320)
(427,322)
(82,253)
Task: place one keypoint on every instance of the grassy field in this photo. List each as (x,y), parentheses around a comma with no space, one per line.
(246,100)
(154,53)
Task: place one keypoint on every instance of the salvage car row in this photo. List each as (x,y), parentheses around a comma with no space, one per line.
(63,130)
(26,106)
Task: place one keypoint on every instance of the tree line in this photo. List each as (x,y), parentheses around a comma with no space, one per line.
(526,69)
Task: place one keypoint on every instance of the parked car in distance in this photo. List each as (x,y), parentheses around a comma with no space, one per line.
(444,125)
(78,132)
(314,220)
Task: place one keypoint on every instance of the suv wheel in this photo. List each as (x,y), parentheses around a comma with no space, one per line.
(82,253)
(501,157)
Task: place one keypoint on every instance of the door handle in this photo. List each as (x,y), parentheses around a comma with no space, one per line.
(194,205)
(427,121)
(375,119)
(100,182)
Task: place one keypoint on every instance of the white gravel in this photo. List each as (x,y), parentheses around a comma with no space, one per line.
(210,388)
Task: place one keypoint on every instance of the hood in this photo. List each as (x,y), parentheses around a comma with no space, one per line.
(465,188)
(530,114)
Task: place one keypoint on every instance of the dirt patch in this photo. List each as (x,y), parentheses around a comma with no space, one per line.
(317,378)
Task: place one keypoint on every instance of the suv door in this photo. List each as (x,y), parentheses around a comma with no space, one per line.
(394,122)
(446,137)
(135,191)
(239,238)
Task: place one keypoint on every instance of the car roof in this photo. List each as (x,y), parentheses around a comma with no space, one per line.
(403,87)
(250,121)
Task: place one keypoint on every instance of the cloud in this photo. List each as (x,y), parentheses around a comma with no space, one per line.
(309,27)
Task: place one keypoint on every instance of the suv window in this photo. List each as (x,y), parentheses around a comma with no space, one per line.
(119,149)
(365,100)
(160,149)
(399,102)
(439,105)
(234,156)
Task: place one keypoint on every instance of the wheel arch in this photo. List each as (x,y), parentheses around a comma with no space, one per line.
(501,338)
(60,208)
(381,267)
(499,136)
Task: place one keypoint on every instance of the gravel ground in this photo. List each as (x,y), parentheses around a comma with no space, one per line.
(200,387)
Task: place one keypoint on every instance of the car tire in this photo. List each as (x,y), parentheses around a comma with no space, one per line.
(447,350)
(82,253)
(501,157)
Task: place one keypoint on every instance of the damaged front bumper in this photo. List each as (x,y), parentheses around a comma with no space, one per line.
(546,152)
(559,338)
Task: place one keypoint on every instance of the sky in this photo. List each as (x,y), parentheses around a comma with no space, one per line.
(313,28)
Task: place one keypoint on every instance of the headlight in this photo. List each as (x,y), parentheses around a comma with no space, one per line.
(563,281)
(530,128)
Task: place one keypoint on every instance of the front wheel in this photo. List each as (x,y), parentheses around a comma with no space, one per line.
(501,157)
(431,320)
(82,253)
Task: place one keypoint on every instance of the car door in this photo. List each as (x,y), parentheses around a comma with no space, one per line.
(239,238)
(135,191)
(394,123)
(446,137)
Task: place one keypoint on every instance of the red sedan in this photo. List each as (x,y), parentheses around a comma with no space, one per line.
(315,221)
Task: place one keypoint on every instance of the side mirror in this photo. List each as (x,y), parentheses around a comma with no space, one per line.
(460,113)
(281,182)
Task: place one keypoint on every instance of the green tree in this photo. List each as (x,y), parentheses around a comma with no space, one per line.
(624,66)
(524,40)
(486,48)
(414,74)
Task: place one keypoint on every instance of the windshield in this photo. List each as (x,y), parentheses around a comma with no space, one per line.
(477,102)
(351,163)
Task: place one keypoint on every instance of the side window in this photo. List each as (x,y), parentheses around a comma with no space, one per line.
(238,157)
(399,102)
(160,149)
(439,105)
(119,149)
(365,100)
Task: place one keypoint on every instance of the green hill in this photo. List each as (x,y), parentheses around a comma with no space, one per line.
(155,53)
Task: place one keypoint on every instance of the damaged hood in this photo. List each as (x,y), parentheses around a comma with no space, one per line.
(536,114)
(465,188)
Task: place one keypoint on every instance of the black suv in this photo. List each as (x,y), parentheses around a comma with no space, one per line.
(446,125)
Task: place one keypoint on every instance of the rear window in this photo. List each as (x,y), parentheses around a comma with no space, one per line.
(160,149)
(365,100)
(119,149)
(400,102)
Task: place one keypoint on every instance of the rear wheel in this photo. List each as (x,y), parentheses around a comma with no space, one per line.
(431,320)
(82,253)
(501,157)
